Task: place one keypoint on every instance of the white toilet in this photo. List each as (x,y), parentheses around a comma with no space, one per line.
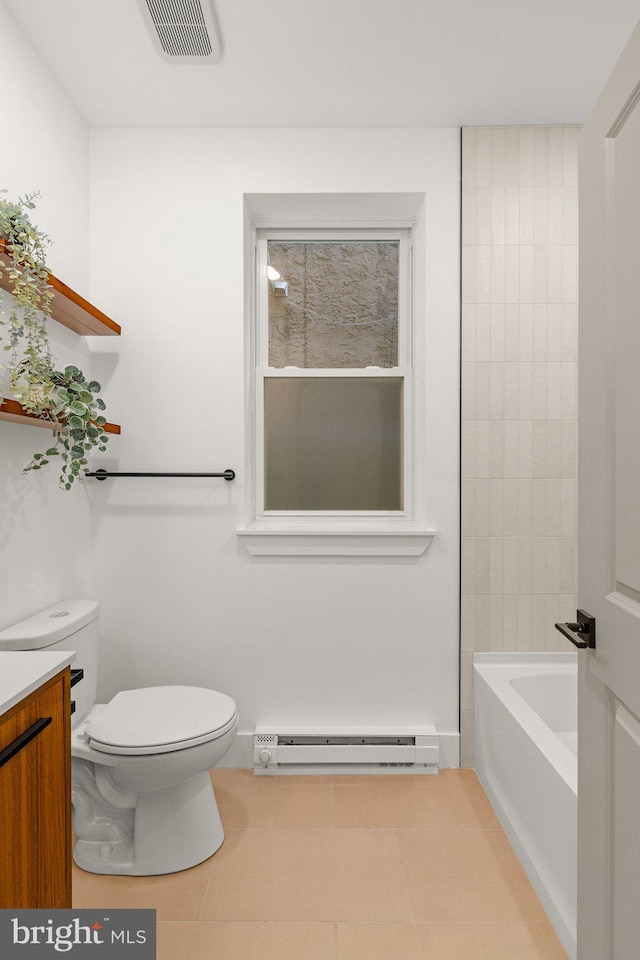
(142,798)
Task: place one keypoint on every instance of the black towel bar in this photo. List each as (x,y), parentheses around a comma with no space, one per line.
(104,474)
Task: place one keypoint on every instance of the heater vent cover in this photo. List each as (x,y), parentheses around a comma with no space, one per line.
(183,31)
(344,741)
(283,748)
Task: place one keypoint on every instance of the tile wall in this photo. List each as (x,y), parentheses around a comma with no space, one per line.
(519,392)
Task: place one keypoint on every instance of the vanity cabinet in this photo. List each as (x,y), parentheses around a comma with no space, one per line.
(35,798)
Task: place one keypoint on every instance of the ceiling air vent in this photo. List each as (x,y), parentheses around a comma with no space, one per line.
(183,31)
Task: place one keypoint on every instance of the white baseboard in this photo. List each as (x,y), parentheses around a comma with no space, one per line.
(240,756)
(449,750)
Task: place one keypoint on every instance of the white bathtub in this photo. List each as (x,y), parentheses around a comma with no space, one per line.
(525,723)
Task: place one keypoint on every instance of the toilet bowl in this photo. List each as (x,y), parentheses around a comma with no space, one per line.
(143,803)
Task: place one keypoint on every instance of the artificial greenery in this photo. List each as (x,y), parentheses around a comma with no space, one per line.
(76,408)
(30,363)
(64,397)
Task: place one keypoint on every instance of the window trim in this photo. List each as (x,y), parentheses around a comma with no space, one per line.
(365,533)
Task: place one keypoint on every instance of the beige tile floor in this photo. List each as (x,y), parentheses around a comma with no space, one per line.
(344,868)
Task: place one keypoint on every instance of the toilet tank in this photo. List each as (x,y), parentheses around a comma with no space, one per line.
(69,625)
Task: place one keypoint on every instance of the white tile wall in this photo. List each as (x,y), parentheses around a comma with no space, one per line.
(519,391)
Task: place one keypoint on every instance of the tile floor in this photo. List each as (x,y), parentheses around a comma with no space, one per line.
(344,868)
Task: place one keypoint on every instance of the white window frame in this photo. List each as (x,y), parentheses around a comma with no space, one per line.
(402,371)
(331,533)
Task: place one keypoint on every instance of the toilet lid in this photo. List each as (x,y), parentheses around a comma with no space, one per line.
(160,719)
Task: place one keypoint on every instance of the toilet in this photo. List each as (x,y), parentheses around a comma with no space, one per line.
(143,803)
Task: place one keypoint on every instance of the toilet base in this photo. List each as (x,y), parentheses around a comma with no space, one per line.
(175,828)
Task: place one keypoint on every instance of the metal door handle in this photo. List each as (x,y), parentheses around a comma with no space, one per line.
(583,633)
(20,742)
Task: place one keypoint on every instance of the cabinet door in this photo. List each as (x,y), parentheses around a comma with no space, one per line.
(35,800)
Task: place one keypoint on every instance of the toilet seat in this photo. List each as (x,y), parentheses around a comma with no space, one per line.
(160,720)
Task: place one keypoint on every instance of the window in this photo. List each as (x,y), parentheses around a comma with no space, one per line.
(333,374)
(337,421)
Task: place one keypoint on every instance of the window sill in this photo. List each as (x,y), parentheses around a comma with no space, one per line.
(268,540)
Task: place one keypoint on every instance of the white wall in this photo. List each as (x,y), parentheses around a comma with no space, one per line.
(44,145)
(301,640)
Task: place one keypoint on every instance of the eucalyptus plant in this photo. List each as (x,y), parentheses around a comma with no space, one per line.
(79,424)
(63,397)
(30,362)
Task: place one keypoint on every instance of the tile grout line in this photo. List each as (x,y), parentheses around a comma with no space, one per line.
(333,802)
(333,827)
(206,888)
(404,877)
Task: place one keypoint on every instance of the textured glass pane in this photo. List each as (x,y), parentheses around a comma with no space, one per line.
(333,443)
(334,305)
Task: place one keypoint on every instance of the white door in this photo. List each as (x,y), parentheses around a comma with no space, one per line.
(609,520)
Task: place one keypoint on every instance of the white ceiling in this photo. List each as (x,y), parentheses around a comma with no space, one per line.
(339,63)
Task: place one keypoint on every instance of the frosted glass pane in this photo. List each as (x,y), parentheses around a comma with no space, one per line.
(340,305)
(333,443)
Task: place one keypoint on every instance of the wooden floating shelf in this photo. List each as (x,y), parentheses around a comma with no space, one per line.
(14,412)
(73,311)
(68,307)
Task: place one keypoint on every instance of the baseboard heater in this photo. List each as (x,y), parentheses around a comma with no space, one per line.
(284,749)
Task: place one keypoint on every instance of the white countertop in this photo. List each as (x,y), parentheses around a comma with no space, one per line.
(22,672)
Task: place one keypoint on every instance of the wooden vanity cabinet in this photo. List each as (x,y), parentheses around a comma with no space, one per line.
(35,799)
